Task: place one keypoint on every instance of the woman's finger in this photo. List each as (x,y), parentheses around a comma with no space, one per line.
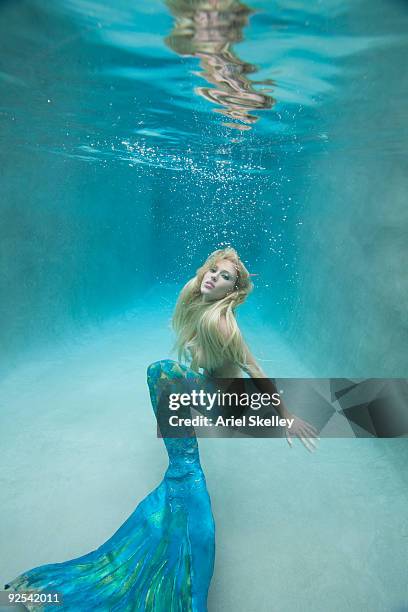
(311,432)
(310,428)
(311,443)
(306,445)
(307,426)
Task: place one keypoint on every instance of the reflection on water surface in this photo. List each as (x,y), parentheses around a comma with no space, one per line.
(208,30)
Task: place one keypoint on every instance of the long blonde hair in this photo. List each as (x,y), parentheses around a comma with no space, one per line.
(197,323)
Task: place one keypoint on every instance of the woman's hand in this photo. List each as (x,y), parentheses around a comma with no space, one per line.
(303,430)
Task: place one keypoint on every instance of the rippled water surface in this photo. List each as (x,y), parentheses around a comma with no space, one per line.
(137,137)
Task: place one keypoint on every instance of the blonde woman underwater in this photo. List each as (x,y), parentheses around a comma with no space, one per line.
(162,558)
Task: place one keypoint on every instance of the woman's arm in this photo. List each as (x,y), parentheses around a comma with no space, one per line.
(302,429)
(265,384)
(253,369)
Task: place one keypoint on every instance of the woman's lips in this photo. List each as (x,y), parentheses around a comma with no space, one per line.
(208,285)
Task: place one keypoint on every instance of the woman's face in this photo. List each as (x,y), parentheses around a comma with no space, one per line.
(219,280)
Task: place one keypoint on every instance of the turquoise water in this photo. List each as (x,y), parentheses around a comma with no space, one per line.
(118,176)
(130,149)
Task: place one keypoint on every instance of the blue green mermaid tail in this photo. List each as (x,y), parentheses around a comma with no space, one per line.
(162,558)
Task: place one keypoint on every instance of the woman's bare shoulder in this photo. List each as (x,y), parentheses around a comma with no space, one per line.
(228,369)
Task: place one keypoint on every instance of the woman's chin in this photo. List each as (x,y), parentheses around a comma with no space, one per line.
(206,295)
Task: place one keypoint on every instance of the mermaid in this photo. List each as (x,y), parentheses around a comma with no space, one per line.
(161,559)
